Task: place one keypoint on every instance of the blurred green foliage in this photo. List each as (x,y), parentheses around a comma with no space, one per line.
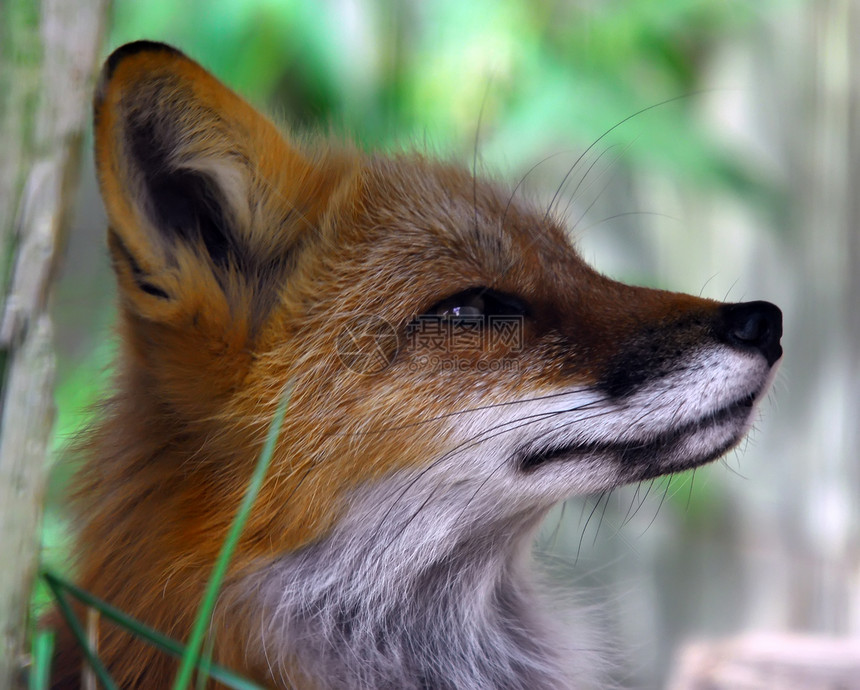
(389,73)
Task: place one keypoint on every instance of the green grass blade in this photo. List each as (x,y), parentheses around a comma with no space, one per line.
(43,652)
(205,662)
(144,632)
(192,651)
(81,637)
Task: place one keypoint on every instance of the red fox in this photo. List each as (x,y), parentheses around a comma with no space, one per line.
(457,370)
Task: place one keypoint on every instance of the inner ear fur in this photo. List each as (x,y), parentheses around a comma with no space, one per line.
(204,195)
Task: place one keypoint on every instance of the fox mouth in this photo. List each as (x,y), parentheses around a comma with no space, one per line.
(684,447)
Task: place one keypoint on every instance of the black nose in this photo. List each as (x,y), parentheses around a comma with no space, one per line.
(755,325)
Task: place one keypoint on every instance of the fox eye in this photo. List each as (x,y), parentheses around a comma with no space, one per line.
(476,303)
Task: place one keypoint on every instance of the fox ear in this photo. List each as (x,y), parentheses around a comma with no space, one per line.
(203,194)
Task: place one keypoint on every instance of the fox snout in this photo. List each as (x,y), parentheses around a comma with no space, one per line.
(678,390)
(753,328)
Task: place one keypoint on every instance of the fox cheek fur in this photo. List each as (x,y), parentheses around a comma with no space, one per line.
(389,544)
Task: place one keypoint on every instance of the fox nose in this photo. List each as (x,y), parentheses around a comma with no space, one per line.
(755,325)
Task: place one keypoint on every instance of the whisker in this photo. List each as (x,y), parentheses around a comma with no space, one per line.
(557,529)
(644,498)
(731,287)
(567,175)
(602,515)
(632,503)
(520,183)
(690,494)
(585,527)
(660,505)
(470,410)
(600,193)
(706,284)
(616,126)
(615,216)
(475,154)
(591,180)
(582,156)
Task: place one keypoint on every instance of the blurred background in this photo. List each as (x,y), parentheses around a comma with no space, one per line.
(703,146)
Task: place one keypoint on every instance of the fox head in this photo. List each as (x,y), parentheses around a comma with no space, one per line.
(457,369)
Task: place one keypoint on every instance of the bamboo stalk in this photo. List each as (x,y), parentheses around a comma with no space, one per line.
(49,55)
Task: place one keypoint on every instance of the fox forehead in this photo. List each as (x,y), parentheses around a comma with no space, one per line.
(447,231)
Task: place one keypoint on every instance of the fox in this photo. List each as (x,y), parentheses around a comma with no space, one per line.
(456,370)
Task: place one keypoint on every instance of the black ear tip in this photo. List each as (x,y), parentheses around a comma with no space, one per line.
(134,48)
(121,54)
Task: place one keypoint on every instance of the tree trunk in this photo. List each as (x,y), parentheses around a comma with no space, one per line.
(49,54)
